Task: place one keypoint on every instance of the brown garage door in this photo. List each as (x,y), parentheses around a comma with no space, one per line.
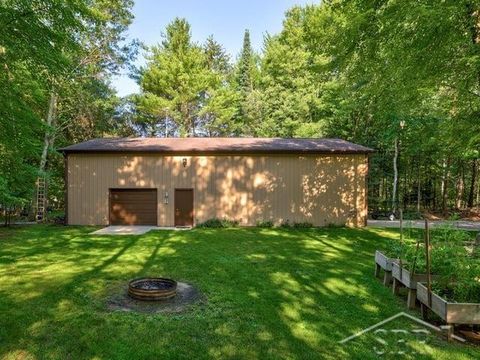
(133,207)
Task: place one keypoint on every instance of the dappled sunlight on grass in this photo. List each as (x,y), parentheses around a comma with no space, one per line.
(370,308)
(271,293)
(18,354)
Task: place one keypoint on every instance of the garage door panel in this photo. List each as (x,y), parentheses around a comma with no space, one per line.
(133,207)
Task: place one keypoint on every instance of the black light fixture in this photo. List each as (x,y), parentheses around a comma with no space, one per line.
(184,162)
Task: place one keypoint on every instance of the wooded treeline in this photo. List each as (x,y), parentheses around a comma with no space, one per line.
(402,77)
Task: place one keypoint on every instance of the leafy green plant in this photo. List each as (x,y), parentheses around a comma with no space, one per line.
(454,217)
(302,225)
(334,226)
(218,223)
(285,224)
(457,270)
(264,223)
(448,233)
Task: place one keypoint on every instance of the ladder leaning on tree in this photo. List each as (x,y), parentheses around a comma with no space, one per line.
(41,200)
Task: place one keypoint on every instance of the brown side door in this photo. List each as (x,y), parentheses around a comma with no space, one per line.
(183,207)
(133,207)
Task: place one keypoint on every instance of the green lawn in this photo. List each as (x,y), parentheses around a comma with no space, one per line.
(270,293)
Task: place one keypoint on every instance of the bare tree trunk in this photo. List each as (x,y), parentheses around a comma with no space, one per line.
(471,193)
(419,192)
(48,140)
(460,189)
(49,136)
(478,193)
(444,187)
(395,177)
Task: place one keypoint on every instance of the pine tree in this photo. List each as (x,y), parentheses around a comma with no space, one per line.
(174,82)
(248,112)
(216,57)
(246,65)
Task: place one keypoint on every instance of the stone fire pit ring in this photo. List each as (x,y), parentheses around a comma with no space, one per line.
(152,289)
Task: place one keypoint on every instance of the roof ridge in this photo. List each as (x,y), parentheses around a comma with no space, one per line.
(218,145)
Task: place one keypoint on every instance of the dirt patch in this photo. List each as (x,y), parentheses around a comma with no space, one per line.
(187,295)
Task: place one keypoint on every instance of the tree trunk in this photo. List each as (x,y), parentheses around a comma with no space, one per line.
(419,192)
(395,177)
(444,187)
(49,136)
(478,193)
(460,188)
(48,140)
(471,193)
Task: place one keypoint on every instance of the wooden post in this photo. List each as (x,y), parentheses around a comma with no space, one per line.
(424,311)
(412,298)
(448,330)
(395,286)
(387,278)
(377,270)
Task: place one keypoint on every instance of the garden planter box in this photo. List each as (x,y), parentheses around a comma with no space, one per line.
(451,313)
(408,279)
(402,276)
(384,263)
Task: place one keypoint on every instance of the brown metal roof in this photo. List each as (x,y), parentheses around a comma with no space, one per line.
(217,145)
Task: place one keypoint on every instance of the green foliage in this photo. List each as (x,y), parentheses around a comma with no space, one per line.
(334,226)
(456,268)
(246,66)
(265,223)
(289,87)
(285,224)
(183,86)
(302,225)
(218,223)
(55,49)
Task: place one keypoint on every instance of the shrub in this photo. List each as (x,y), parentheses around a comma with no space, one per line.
(218,223)
(302,225)
(264,223)
(285,224)
(412,215)
(448,233)
(335,226)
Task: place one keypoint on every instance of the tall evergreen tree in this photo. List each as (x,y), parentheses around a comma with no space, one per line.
(216,56)
(185,88)
(219,105)
(288,86)
(246,65)
(173,82)
(246,78)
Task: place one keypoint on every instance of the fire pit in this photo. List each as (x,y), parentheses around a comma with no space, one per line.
(152,289)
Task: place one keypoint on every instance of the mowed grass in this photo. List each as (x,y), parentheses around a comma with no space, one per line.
(271,294)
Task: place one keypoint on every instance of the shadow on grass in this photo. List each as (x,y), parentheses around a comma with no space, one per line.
(271,294)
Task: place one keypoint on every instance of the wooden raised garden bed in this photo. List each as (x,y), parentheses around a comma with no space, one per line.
(450,312)
(403,277)
(383,262)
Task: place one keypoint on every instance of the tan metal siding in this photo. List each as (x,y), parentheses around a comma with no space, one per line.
(320,189)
